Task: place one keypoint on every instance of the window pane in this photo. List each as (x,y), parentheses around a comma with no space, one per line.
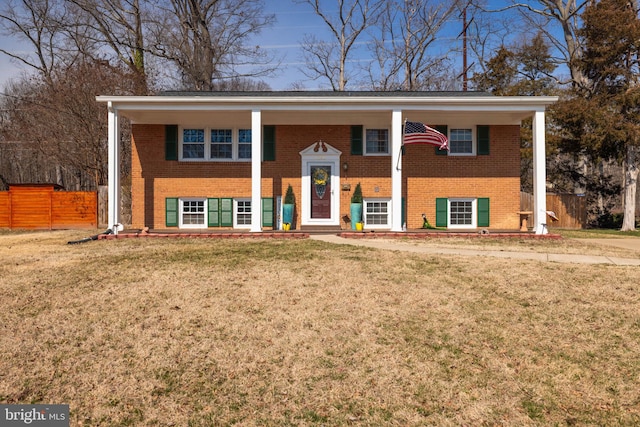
(461,213)
(377,141)
(221,144)
(193,212)
(244,144)
(244,135)
(243,213)
(377,213)
(193,143)
(460,141)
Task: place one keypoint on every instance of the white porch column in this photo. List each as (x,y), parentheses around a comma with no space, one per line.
(256,171)
(539,175)
(396,170)
(113,192)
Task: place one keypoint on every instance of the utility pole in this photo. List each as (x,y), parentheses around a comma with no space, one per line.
(465,78)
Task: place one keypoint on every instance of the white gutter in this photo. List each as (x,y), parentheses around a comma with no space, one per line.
(382,102)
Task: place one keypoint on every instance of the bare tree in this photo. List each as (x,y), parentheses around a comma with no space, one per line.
(546,17)
(328,59)
(408,31)
(59,128)
(116,25)
(38,23)
(207,40)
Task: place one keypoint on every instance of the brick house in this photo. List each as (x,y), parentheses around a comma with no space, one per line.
(225,159)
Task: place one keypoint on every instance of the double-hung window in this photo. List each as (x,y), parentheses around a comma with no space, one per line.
(461,142)
(193,144)
(244,144)
(377,141)
(221,144)
(242,215)
(462,213)
(377,213)
(193,213)
(215,144)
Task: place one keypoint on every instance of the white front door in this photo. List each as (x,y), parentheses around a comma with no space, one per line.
(320,185)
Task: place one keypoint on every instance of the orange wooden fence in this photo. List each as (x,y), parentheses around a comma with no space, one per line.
(43,206)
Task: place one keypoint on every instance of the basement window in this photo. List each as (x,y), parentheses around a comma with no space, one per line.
(377,213)
(193,213)
(242,208)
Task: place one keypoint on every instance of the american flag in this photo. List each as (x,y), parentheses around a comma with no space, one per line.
(418,133)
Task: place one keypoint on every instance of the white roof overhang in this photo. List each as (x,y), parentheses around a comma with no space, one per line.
(300,110)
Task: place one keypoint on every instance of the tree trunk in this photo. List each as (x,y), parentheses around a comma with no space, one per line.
(630,181)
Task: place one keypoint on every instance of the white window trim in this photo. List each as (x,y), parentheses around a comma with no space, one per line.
(474,143)
(364,213)
(364,142)
(235,144)
(181,212)
(474,213)
(235,212)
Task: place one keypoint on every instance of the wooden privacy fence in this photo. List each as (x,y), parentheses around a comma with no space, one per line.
(43,206)
(570,209)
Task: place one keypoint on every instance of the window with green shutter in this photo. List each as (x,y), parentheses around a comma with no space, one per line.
(483,212)
(267,211)
(269,143)
(441,212)
(171,211)
(483,140)
(171,142)
(356,140)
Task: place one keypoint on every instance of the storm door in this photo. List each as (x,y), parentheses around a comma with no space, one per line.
(320,185)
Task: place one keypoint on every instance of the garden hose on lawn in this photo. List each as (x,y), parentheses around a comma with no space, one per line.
(90,238)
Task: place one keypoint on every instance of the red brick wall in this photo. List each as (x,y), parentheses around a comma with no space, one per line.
(428,176)
(425,175)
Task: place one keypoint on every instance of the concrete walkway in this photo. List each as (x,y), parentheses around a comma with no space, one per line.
(536,256)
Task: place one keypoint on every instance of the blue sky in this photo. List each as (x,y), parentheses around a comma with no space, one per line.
(293,21)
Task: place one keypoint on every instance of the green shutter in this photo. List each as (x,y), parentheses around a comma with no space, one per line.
(444,130)
(442,212)
(269,143)
(356,140)
(213,214)
(171,142)
(171,211)
(483,212)
(267,211)
(404,212)
(226,212)
(483,140)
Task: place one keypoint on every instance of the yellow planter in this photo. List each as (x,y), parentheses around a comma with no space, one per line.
(286,226)
(359,226)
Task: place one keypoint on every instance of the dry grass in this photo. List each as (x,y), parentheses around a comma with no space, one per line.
(214,332)
(564,246)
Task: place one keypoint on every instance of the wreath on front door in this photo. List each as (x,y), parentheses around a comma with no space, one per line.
(320,179)
(320,176)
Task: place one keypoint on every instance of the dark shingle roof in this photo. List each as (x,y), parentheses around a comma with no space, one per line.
(329,94)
